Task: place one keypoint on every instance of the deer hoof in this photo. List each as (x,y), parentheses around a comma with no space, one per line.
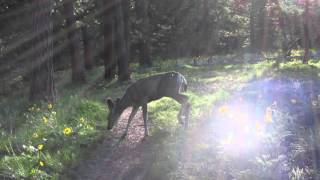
(123,136)
(186,126)
(144,138)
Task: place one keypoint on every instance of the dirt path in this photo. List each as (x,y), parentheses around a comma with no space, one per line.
(114,160)
(134,157)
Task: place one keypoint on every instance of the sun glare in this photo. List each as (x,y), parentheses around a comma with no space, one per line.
(242,127)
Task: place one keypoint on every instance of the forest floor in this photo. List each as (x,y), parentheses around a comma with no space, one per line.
(240,139)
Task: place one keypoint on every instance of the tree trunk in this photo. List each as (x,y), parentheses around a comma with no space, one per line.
(252,29)
(74,39)
(282,26)
(206,30)
(126,9)
(87,48)
(306,34)
(144,43)
(120,44)
(42,85)
(107,29)
(265,30)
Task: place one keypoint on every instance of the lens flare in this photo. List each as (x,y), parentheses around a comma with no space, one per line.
(242,126)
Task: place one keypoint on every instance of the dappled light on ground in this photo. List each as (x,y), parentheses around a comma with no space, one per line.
(135,132)
(241,126)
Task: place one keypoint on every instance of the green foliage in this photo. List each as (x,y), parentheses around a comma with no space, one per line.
(163,112)
(52,137)
(297,69)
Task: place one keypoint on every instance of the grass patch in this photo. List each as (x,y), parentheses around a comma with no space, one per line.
(52,138)
(296,69)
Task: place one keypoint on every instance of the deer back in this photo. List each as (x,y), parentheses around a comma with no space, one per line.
(155,87)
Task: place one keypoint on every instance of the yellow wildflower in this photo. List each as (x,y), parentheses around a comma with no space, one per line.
(54,113)
(82,120)
(67,131)
(45,119)
(268,115)
(33,171)
(50,106)
(41,163)
(31,109)
(40,147)
(35,135)
(223,109)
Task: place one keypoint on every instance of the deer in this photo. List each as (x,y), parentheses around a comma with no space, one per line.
(143,91)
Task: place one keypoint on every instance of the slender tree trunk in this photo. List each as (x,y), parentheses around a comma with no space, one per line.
(126,12)
(306,33)
(261,25)
(317,42)
(265,29)
(207,32)
(120,44)
(74,38)
(107,29)
(252,29)
(205,27)
(87,48)
(282,27)
(144,43)
(42,85)
(317,24)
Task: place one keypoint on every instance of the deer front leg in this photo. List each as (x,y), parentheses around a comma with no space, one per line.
(180,114)
(184,110)
(184,114)
(133,113)
(145,119)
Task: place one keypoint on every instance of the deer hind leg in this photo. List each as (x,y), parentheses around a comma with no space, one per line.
(187,112)
(133,113)
(145,119)
(183,115)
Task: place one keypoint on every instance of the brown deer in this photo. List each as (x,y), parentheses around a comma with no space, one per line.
(145,90)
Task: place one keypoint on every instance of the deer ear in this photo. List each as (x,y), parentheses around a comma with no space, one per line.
(117,100)
(110,103)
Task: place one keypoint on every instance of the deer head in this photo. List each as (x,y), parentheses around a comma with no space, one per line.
(114,112)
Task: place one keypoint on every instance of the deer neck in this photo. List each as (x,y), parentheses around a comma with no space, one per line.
(124,103)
